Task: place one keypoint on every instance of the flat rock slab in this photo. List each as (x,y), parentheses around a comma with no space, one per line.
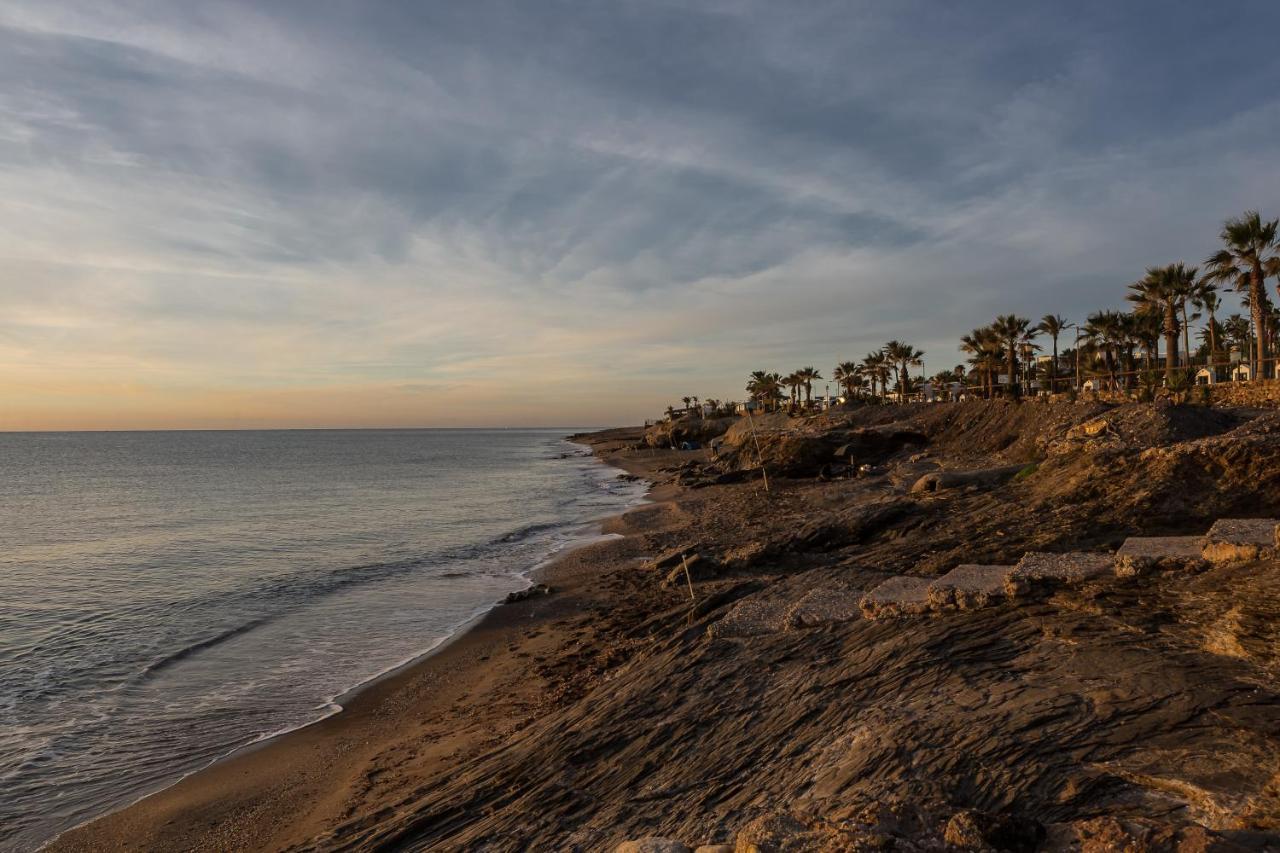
(1141,554)
(822,606)
(968,587)
(898,596)
(752,617)
(1039,572)
(1240,539)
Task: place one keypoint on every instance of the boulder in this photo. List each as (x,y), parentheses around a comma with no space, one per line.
(1141,554)
(969,587)
(897,596)
(1232,540)
(714,848)
(1038,572)
(652,845)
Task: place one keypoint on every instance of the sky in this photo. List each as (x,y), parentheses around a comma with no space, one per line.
(383,213)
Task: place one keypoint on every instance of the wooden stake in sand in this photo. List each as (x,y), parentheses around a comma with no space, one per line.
(687,577)
(759,455)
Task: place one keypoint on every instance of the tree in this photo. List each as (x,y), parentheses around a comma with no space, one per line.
(765,388)
(984,348)
(903,357)
(793,383)
(807,376)
(1053,326)
(1012,331)
(876,366)
(1236,328)
(688,401)
(848,374)
(1106,331)
(1164,291)
(1205,297)
(1245,261)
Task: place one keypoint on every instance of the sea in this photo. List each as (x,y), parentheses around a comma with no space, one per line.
(167,598)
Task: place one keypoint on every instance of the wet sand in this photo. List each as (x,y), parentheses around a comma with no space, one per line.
(454,704)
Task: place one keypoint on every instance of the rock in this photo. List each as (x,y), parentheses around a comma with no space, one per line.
(850,526)
(745,556)
(969,587)
(772,833)
(667,559)
(963,833)
(652,845)
(714,848)
(1039,572)
(1232,540)
(1141,554)
(751,617)
(975,830)
(939,480)
(523,594)
(823,606)
(898,596)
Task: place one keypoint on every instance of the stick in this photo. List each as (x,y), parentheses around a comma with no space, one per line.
(688,578)
(759,455)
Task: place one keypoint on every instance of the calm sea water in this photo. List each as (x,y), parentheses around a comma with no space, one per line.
(168,597)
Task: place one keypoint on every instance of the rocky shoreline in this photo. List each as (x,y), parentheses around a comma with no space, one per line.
(860,656)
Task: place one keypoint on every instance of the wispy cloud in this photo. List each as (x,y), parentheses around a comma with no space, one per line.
(499,212)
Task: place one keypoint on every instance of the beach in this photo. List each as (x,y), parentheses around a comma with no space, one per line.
(474,691)
(773,693)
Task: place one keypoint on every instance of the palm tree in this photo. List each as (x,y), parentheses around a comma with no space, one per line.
(902,357)
(1245,262)
(985,350)
(1237,329)
(793,383)
(875,365)
(1105,330)
(1161,292)
(687,402)
(848,374)
(1205,296)
(1012,332)
(1053,326)
(807,376)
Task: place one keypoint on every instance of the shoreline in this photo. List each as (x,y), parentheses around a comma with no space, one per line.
(185,803)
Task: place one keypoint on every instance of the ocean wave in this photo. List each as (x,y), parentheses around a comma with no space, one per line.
(199,646)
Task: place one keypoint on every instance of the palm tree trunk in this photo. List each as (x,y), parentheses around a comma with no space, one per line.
(1053,368)
(1259,325)
(1170,341)
(1013,370)
(1186,333)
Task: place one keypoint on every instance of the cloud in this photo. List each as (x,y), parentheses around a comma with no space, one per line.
(584,207)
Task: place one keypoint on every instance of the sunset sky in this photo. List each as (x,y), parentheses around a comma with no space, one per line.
(407,213)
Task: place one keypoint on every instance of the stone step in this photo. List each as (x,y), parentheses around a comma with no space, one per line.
(968,587)
(1039,572)
(1232,540)
(897,596)
(1141,554)
(823,606)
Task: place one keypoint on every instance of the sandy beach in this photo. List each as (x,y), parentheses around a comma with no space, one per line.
(473,692)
